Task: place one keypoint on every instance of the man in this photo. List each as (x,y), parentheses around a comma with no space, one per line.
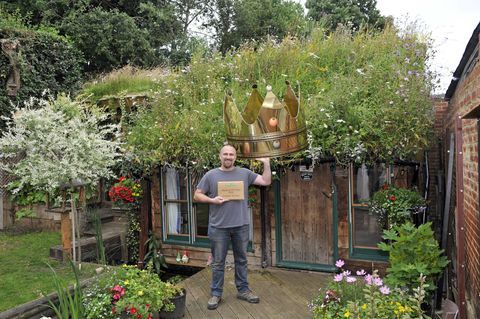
(229,221)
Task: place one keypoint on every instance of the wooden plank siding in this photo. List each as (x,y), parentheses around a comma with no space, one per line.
(283,294)
(307,216)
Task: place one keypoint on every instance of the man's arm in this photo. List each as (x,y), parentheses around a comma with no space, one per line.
(266,178)
(200,197)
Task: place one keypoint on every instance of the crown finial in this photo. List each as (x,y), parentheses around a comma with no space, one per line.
(267,127)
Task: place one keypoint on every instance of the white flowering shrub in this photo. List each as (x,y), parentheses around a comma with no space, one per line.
(60,143)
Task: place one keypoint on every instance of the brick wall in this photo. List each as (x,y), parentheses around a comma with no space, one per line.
(466,98)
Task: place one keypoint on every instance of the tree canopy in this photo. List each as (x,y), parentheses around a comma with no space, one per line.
(346,12)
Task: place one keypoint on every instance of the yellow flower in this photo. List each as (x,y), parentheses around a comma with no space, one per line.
(126,282)
(140,293)
(364,306)
(347,314)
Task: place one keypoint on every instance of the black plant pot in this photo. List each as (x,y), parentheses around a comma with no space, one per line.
(179,311)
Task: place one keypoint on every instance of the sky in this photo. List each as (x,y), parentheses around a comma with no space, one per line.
(450,22)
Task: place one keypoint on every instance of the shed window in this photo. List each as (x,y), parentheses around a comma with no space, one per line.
(365,181)
(183,221)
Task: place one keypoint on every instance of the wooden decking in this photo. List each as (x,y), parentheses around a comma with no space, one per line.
(283,294)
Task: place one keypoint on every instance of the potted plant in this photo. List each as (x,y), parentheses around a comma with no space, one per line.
(394,205)
(126,191)
(129,292)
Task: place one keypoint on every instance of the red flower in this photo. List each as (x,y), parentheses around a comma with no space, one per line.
(139,316)
(149,316)
(133,310)
(114,310)
(393,198)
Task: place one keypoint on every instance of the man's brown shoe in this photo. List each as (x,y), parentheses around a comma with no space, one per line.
(248,296)
(213,302)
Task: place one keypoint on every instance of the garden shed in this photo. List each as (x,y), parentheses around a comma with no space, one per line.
(309,217)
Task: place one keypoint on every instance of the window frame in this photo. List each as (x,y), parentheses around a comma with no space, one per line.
(362,252)
(190,239)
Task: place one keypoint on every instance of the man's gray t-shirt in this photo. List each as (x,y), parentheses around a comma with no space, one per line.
(231,213)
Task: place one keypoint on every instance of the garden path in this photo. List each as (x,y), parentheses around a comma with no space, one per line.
(283,294)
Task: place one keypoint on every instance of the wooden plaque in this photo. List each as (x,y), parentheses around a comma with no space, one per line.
(231,190)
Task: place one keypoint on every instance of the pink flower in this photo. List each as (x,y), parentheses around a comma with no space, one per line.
(346,273)
(339,263)
(361,272)
(338,277)
(351,279)
(385,290)
(378,282)
(368,279)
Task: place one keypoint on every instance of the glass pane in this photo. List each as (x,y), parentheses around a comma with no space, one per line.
(201,216)
(177,218)
(175,184)
(367,180)
(365,228)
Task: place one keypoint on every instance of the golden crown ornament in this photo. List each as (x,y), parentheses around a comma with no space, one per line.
(266,127)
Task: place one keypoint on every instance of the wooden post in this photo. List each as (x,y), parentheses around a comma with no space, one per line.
(460,219)
(66,229)
(145,209)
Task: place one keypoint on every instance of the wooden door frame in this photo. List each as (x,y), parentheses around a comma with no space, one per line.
(280,262)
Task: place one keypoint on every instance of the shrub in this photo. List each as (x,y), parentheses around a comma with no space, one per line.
(413,252)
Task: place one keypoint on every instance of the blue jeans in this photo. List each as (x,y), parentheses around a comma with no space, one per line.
(219,240)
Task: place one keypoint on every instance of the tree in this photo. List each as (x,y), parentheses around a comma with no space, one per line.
(109,39)
(236,21)
(347,12)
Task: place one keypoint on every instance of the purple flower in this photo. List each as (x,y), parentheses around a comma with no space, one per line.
(339,263)
(385,290)
(351,279)
(361,272)
(338,277)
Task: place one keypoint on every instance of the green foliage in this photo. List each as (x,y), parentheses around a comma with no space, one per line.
(236,22)
(109,34)
(47,62)
(366,97)
(154,254)
(413,252)
(97,225)
(353,14)
(70,304)
(394,206)
(26,195)
(109,39)
(140,292)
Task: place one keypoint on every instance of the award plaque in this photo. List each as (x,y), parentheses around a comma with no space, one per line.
(231,190)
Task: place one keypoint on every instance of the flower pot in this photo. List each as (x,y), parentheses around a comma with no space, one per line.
(179,311)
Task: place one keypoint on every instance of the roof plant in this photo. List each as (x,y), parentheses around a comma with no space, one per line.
(366,95)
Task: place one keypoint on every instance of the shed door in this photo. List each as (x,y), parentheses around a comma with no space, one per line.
(306,219)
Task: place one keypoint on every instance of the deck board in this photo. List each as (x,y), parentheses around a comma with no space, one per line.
(283,294)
